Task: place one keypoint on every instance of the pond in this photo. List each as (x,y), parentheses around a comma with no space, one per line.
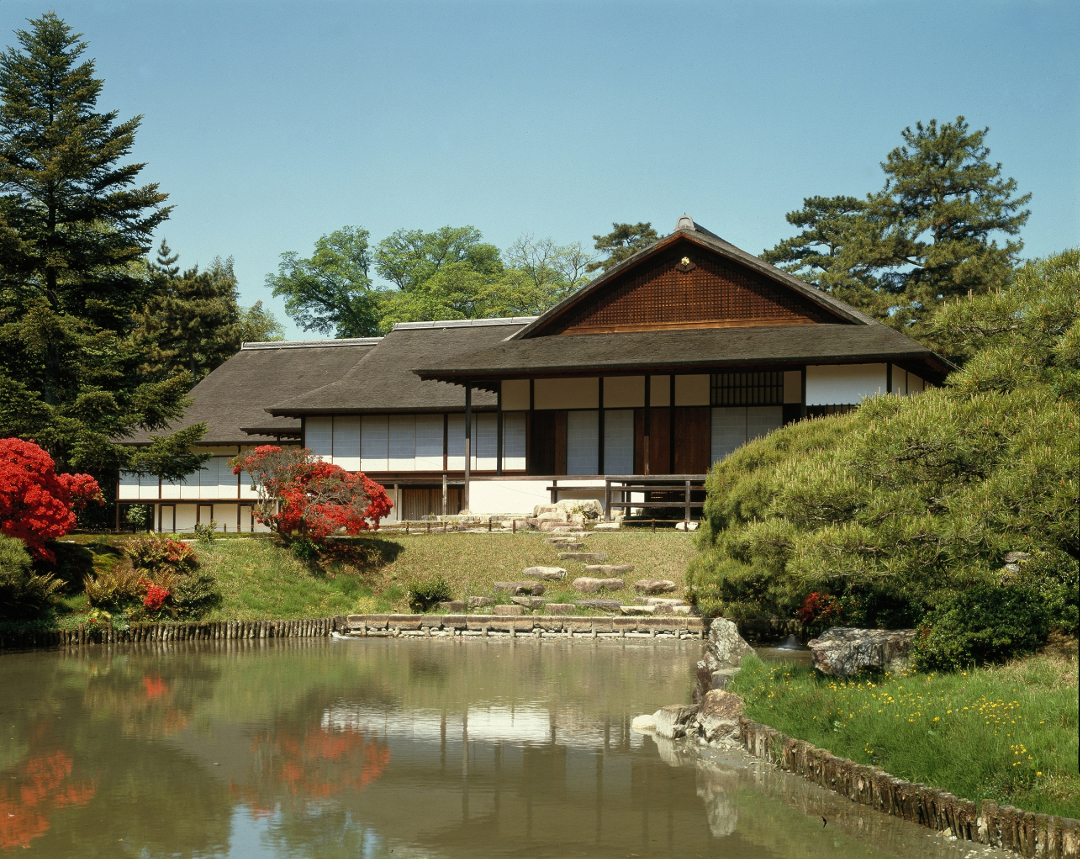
(382,748)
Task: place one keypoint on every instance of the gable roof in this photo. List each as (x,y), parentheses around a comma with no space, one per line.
(232,400)
(384,380)
(688,234)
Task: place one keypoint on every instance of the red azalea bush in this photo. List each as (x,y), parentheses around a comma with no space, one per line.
(155,597)
(36,503)
(300,495)
(821,610)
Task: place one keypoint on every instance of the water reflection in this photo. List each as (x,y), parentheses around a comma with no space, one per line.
(380,748)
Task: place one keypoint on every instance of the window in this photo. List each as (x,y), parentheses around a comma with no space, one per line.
(733,427)
(582,442)
(619,441)
(759,388)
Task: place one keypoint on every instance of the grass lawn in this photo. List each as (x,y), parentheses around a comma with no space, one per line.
(261,581)
(1005,733)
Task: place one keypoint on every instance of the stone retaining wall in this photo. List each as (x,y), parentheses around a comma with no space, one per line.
(567,627)
(226,630)
(1025,833)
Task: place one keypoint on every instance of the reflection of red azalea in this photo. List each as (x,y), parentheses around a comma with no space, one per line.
(42,785)
(315,764)
(154,687)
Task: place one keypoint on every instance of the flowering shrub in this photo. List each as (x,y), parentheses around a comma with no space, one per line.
(301,495)
(820,610)
(155,554)
(36,503)
(155,597)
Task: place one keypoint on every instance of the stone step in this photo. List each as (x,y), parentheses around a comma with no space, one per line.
(607,526)
(669,601)
(610,569)
(529,602)
(638,609)
(520,588)
(453,606)
(584,557)
(604,605)
(571,547)
(480,602)
(503,610)
(655,586)
(589,585)
(552,574)
(559,608)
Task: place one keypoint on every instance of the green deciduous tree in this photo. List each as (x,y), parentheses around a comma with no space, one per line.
(623,241)
(408,258)
(74,226)
(259,325)
(331,291)
(929,235)
(552,271)
(192,322)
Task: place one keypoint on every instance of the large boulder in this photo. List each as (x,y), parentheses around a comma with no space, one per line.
(673,721)
(718,715)
(845,651)
(588,585)
(520,588)
(724,651)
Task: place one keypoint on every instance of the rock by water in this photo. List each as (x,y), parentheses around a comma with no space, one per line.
(845,651)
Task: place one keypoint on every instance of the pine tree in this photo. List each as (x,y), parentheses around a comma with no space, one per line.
(193,322)
(929,235)
(623,241)
(74,227)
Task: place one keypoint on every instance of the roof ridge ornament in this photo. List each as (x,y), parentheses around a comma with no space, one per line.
(685,222)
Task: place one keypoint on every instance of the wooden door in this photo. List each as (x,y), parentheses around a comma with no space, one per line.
(692,439)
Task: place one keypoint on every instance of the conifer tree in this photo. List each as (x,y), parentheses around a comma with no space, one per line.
(929,235)
(623,241)
(193,321)
(74,226)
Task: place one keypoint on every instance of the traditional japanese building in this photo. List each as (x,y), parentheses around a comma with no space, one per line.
(626,391)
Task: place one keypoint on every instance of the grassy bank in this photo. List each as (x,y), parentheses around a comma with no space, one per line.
(1006,733)
(259,580)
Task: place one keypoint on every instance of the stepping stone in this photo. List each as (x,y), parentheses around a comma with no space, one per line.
(638,609)
(668,601)
(571,547)
(566,538)
(605,605)
(559,608)
(686,526)
(480,602)
(655,586)
(607,526)
(508,609)
(529,602)
(588,585)
(584,557)
(610,569)
(453,606)
(559,527)
(551,574)
(520,588)
(666,608)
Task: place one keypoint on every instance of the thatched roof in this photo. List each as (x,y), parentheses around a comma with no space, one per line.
(384,381)
(232,400)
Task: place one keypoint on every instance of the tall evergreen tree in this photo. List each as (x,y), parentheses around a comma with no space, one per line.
(73,229)
(623,241)
(192,322)
(929,235)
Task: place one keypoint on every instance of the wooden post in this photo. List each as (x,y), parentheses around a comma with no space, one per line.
(444,494)
(687,514)
(468,445)
(600,429)
(607,500)
(499,431)
(648,425)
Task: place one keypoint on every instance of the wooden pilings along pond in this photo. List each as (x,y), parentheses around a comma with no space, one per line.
(225,630)
(1030,835)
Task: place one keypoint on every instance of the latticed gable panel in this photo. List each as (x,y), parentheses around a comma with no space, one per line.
(688,287)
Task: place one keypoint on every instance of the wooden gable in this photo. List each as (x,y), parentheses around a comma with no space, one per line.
(685,285)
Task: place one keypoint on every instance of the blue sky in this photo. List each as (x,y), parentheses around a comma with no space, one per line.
(270,124)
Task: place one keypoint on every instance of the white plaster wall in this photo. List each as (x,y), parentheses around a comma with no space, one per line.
(185,517)
(566,393)
(128,489)
(660,391)
(832,385)
(692,390)
(225,516)
(508,497)
(515,395)
(624,392)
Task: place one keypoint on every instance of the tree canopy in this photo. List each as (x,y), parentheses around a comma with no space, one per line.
(74,225)
(623,241)
(930,234)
